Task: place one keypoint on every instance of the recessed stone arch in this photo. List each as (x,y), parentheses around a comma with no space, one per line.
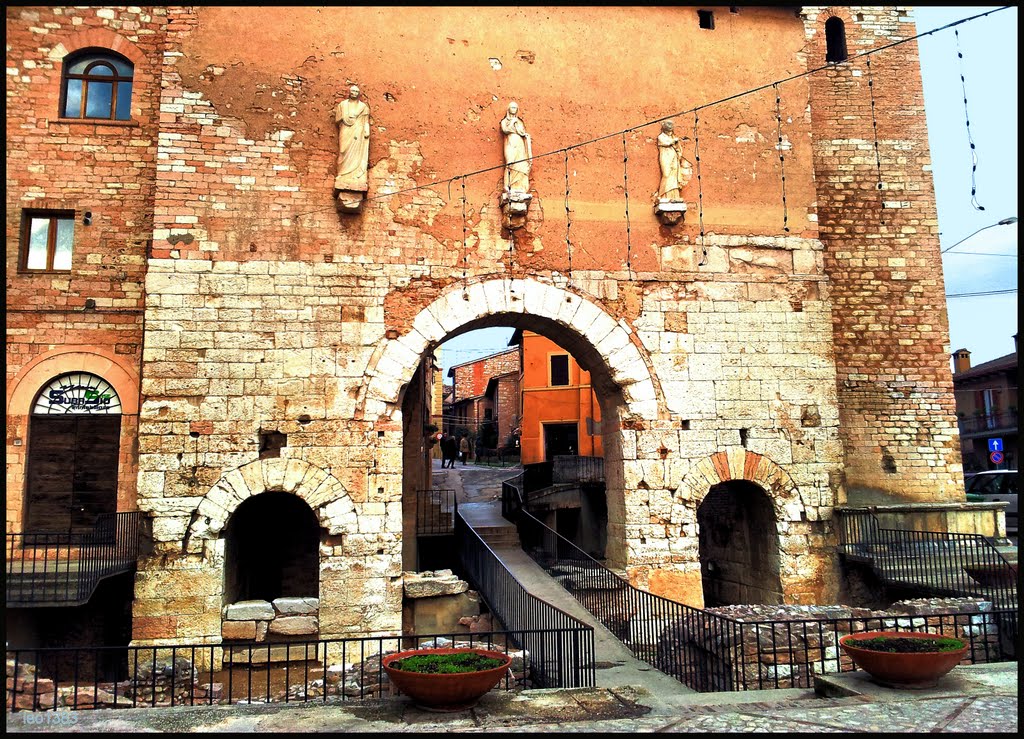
(623,364)
(738,463)
(320,490)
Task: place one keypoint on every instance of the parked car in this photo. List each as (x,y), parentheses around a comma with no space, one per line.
(997,485)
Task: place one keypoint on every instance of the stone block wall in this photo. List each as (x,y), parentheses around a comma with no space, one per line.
(723,348)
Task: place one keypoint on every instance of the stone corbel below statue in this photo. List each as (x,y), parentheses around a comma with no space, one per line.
(670,212)
(669,206)
(518,150)
(352,116)
(514,205)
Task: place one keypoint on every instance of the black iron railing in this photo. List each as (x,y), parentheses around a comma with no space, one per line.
(940,563)
(64,569)
(497,458)
(435,512)
(710,652)
(577,469)
(561,647)
(324,671)
(990,422)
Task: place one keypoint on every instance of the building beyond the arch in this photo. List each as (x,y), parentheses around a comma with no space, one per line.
(279,326)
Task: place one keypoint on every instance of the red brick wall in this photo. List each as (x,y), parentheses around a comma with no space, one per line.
(882,256)
(55,163)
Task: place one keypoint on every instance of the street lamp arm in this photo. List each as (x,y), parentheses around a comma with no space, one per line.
(1004,222)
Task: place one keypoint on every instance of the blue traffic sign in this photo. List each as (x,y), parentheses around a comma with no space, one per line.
(995,445)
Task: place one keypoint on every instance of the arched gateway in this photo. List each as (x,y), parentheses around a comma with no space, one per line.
(610,349)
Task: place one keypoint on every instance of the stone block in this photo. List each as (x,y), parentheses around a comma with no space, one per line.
(295,626)
(296,606)
(431,584)
(238,630)
(249,610)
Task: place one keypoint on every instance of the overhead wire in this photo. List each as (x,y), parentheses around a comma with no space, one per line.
(645,124)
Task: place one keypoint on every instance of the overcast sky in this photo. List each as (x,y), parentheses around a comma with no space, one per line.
(985,325)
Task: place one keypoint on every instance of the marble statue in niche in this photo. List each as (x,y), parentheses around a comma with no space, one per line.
(352,116)
(669,205)
(518,151)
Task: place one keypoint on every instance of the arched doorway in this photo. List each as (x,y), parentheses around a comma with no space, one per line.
(739,546)
(73,454)
(271,551)
(621,374)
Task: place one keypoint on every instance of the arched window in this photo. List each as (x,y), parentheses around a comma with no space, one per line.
(835,40)
(97,84)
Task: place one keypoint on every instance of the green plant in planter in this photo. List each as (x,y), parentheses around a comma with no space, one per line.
(904,645)
(446,664)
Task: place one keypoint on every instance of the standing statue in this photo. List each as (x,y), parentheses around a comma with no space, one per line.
(669,206)
(353,118)
(669,157)
(518,151)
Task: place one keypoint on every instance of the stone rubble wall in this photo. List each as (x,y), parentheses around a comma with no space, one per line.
(793,647)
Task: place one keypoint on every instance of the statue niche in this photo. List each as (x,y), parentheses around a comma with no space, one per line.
(518,151)
(352,116)
(669,206)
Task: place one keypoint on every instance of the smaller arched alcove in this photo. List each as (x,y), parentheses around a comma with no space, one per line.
(835,41)
(271,549)
(739,546)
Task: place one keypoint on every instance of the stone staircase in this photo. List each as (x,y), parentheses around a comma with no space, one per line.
(487,521)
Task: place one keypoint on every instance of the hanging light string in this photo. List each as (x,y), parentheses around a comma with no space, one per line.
(625,189)
(568,217)
(782,159)
(700,192)
(465,245)
(874,126)
(645,124)
(967,119)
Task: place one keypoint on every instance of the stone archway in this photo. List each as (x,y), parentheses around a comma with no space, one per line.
(618,356)
(805,556)
(320,490)
(620,368)
(737,463)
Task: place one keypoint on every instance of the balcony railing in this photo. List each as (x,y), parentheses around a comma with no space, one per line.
(51,569)
(989,422)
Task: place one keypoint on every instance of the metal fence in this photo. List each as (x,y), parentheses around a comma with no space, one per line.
(326,671)
(577,469)
(940,563)
(561,647)
(435,511)
(64,568)
(710,652)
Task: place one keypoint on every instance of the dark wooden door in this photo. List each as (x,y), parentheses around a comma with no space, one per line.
(72,471)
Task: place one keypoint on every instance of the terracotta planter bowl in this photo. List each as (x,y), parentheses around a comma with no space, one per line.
(453,692)
(914,670)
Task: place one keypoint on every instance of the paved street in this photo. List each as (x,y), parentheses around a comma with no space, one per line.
(973,699)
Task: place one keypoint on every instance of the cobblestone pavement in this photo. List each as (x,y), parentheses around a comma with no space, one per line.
(975,699)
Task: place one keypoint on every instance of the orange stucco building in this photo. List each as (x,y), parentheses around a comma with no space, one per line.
(560,412)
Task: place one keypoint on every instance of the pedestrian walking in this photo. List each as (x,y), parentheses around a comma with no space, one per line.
(449,449)
(464,448)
